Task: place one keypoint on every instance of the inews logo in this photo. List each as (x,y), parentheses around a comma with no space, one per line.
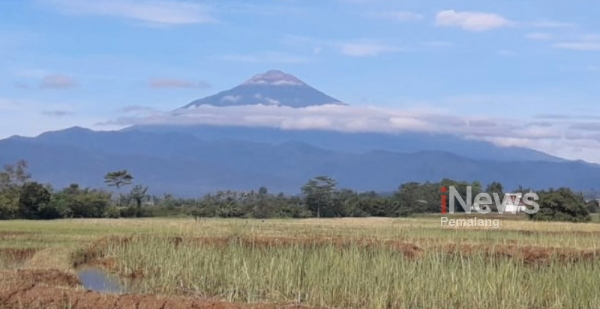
(482,204)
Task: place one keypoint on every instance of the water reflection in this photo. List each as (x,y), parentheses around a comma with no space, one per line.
(99,281)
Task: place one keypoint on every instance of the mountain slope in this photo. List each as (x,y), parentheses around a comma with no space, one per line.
(189,166)
(270,88)
(358,142)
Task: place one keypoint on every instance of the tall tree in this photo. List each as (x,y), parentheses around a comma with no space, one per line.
(318,195)
(118,179)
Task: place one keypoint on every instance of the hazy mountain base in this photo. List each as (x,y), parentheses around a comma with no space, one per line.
(185,165)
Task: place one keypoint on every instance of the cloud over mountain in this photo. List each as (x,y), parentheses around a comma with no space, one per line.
(571,139)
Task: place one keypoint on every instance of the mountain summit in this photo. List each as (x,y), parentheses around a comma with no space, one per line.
(270,88)
(274,78)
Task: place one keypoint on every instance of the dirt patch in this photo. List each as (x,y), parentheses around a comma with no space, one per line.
(50,277)
(531,255)
(560,233)
(9,234)
(34,296)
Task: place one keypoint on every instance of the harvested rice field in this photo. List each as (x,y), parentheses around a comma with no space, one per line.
(367,263)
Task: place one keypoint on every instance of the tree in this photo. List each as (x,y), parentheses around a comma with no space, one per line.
(118,179)
(413,197)
(12,179)
(138,193)
(561,205)
(318,195)
(33,198)
(83,203)
(593,206)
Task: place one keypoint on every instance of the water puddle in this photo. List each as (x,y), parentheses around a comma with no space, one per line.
(98,280)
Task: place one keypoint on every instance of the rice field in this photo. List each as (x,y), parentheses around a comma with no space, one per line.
(323,263)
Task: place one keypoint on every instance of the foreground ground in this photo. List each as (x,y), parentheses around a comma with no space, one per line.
(342,263)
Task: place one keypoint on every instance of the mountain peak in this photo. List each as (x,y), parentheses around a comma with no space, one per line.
(274,87)
(275,78)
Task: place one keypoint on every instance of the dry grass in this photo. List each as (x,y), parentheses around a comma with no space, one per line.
(349,263)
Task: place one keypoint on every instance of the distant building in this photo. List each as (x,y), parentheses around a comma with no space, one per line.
(512,206)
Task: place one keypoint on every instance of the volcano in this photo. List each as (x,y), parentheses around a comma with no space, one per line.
(274,88)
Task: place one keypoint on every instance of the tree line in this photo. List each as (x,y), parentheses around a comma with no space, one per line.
(22,197)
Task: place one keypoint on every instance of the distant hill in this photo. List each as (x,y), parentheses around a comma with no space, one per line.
(270,88)
(183,164)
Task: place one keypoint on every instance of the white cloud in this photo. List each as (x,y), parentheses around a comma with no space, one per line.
(149,11)
(471,21)
(176,83)
(581,46)
(136,109)
(30,117)
(57,113)
(552,24)
(404,16)
(590,37)
(366,49)
(558,137)
(58,81)
(9,105)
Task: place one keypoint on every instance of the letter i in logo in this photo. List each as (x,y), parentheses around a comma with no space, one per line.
(444,200)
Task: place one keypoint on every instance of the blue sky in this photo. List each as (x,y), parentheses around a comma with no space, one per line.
(534,64)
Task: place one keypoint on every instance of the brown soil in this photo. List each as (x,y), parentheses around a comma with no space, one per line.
(12,233)
(560,233)
(34,296)
(50,277)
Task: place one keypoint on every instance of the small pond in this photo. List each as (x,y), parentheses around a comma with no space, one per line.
(98,280)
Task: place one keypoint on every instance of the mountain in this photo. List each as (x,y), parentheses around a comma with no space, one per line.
(190,160)
(270,88)
(358,142)
(185,165)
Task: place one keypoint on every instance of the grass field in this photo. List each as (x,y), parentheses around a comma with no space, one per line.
(325,263)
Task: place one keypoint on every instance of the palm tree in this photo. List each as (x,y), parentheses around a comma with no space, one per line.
(118,179)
